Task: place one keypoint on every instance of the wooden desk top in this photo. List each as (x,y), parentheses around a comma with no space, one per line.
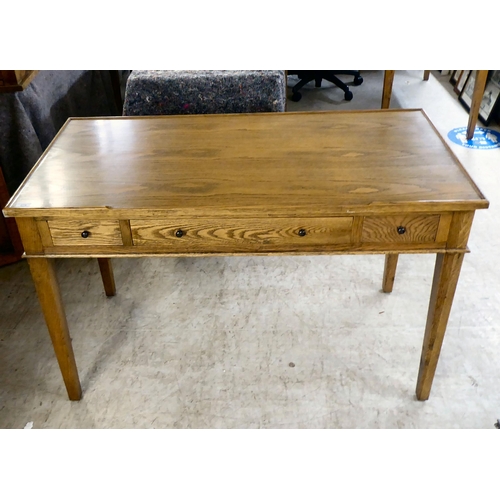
(269,164)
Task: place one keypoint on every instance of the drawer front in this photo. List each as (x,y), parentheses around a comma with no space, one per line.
(400,229)
(243,235)
(85,232)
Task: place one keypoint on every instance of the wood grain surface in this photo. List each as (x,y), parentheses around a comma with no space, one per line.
(69,232)
(248,165)
(417,228)
(243,234)
(158,252)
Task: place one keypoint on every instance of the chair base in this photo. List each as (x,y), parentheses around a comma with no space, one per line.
(319,75)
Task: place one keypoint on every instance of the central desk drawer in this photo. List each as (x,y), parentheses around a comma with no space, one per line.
(85,232)
(241,235)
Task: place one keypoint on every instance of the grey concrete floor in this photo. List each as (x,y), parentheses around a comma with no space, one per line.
(268,342)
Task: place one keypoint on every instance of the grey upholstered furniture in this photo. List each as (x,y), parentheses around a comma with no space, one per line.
(174,92)
(30,119)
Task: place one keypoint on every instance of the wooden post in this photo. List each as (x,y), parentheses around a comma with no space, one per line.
(391,262)
(477,97)
(47,287)
(446,274)
(387,90)
(108,278)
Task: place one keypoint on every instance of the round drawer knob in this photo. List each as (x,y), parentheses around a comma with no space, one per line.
(179,233)
(401,230)
(85,234)
(302,232)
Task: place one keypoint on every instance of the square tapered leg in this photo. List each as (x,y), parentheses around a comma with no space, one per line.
(47,287)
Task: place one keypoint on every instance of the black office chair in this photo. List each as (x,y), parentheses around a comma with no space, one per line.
(308,76)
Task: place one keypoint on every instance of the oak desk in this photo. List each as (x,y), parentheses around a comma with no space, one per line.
(252,184)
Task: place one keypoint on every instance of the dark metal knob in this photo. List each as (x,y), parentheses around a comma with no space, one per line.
(401,230)
(85,234)
(302,232)
(179,233)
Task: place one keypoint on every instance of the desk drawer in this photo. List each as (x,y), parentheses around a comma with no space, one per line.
(85,232)
(411,228)
(243,235)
